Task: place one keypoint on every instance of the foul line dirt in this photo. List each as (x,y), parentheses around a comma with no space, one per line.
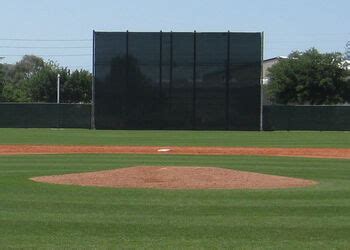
(153,150)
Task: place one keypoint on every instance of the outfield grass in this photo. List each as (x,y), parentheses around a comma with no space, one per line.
(44,216)
(175,138)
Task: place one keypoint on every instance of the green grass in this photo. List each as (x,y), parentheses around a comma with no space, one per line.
(44,216)
(175,138)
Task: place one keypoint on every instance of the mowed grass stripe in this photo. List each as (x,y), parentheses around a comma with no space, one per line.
(42,216)
(176,138)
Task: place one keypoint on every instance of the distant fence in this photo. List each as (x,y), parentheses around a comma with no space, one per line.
(276,117)
(319,118)
(44,115)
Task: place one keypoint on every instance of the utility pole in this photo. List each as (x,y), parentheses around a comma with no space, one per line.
(58,88)
(347,51)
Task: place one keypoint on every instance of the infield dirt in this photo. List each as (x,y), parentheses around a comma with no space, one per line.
(176,177)
(290,152)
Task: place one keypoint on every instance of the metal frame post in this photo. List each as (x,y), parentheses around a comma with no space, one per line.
(171,70)
(228,76)
(161,125)
(127,57)
(194,79)
(262,85)
(160,64)
(93,121)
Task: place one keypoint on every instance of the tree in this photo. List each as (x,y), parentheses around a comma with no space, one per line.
(42,86)
(310,78)
(34,80)
(2,80)
(25,68)
(14,88)
(77,88)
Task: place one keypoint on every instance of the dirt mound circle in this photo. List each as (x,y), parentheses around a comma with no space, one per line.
(177,178)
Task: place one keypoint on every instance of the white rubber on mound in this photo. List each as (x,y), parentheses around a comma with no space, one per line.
(162,150)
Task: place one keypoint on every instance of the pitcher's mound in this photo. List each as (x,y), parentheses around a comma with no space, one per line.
(176,178)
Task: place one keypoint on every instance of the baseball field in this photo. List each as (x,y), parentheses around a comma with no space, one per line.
(40,215)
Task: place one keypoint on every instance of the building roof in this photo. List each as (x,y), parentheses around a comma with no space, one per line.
(275,58)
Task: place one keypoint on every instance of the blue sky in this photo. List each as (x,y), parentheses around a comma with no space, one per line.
(288,25)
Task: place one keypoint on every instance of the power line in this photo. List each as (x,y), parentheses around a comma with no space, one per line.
(79,66)
(46,47)
(89,39)
(45,40)
(58,55)
(308,33)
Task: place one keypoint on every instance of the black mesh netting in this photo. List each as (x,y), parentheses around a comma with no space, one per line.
(177,80)
(322,118)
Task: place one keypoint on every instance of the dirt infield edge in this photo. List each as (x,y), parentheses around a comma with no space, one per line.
(333,153)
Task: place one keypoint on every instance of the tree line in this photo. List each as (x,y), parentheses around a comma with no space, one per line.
(308,77)
(34,80)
